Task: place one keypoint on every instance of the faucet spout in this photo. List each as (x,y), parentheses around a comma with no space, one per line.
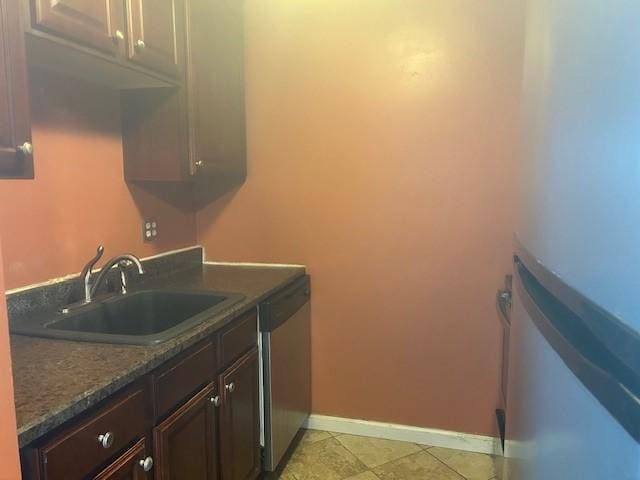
(118,260)
(90,288)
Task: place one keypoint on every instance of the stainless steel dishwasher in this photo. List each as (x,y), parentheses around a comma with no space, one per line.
(285,343)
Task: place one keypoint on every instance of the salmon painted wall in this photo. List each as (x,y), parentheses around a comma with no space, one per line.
(382,138)
(79,197)
(9,464)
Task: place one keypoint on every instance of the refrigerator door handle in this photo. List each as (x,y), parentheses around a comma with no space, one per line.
(613,383)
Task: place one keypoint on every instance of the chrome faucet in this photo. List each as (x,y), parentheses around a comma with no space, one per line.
(91,287)
(121,261)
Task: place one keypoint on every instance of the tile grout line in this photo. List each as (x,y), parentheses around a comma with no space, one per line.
(447,465)
(385,463)
(354,455)
(374,474)
(492,477)
(422,448)
(332,437)
(367,468)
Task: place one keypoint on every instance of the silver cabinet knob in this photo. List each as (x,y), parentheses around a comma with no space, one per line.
(26,148)
(106,439)
(199,163)
(215,400)
(119,35)
(146,464)
(230,387)
(140,44)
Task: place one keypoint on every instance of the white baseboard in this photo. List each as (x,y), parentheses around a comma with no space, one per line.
(424,436)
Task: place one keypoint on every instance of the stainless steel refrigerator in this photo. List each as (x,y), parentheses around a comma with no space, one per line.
(573,410)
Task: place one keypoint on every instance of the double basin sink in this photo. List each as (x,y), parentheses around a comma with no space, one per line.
(146,317)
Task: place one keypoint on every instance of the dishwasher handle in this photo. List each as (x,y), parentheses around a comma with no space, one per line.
(503,305)
(277,309)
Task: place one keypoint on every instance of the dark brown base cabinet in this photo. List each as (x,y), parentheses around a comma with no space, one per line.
(240,421)
(187,420)
(185,444)
(127,467)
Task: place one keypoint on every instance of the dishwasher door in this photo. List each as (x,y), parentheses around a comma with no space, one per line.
(285,324)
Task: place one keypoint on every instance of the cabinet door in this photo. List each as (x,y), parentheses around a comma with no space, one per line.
(91,22)
(239,420)
(130,466)
(216,93)
(153,34)
(196,132)
(185,443)
(15,129)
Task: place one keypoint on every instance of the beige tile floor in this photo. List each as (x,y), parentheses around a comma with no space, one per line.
(334,456)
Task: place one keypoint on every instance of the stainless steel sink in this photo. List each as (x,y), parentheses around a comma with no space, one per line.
(141,318)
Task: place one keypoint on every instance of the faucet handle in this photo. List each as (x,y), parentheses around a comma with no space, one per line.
(124,263)
(91,263)
(85,275)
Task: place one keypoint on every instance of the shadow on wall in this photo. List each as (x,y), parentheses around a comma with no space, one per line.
(79,198)
(180,195)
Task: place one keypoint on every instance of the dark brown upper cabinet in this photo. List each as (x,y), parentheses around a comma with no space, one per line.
(195,133)
(153,34)
(215,89)
(16,152)
(123,44)
(95,23)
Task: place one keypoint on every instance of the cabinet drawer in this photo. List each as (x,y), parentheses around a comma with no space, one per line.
(86,446)
(127,466)
(175,382)
(238,338)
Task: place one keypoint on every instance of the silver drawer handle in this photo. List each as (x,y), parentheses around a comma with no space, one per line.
(146,464)
(106,439)
(230,387)
(215,400)
(119,35)
(140,44)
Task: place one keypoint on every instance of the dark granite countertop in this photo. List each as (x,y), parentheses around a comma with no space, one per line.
(55,380)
